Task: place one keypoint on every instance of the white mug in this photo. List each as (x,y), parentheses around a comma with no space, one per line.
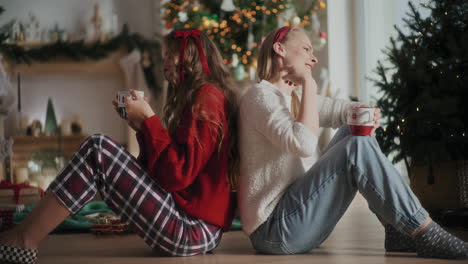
(121,103)
(360,120)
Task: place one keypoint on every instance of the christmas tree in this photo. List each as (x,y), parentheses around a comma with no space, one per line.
(238,27)
(425,85)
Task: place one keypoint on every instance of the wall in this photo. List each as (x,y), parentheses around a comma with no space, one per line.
(359,31)
(140,17)
(341,47)
(86,95)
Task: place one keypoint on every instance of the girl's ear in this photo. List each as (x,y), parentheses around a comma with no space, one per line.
(279,49)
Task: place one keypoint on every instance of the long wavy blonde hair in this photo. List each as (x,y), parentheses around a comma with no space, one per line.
(268,65)
(182,94)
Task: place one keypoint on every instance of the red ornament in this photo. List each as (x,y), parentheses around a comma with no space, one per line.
(323,35)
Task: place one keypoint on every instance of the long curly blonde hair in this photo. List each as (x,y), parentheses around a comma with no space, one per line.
(182,94)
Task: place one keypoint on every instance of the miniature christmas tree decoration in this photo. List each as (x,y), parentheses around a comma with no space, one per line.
(51,122)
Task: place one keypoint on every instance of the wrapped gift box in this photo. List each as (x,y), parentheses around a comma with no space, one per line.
(19,193)
(26,196)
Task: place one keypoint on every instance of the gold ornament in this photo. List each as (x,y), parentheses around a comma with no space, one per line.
(321,5)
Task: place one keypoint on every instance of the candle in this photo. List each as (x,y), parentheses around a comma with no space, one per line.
(44,181)
(19,91)
(65,127)
(33,183)
(21,175)
(50,179)
(49,172)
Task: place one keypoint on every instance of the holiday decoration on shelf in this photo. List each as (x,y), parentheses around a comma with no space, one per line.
(241,25)
(35,129)
(57,34)
(96,21)
(424,87)
(50,127)
(82,50)
(32,29)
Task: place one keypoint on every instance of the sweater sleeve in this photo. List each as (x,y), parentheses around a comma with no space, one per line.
(141,145)
(268,113)
(332,112)
(175,162)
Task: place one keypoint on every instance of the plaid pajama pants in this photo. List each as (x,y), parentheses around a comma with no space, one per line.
(101,164)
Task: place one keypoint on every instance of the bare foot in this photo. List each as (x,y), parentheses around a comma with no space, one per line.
(14,238)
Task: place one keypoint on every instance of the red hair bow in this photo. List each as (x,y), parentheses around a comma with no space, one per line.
(196,35)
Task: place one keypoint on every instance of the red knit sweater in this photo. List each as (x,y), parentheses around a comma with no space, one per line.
(190,166)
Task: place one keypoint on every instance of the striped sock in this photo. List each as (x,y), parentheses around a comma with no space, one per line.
(435,242)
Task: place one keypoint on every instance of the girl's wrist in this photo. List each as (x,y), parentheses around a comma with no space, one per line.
(309,83)
(148,115)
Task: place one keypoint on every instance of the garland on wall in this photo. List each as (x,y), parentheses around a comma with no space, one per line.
(82,51)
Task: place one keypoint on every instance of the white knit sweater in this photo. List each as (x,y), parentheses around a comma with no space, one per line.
(275,150)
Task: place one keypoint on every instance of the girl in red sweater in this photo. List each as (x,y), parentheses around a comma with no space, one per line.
(177,195)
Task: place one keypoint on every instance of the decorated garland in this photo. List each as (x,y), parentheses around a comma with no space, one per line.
(81,51)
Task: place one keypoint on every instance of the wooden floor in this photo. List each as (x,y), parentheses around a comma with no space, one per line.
(358,238)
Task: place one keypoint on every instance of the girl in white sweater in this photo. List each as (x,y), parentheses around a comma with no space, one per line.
(290,195)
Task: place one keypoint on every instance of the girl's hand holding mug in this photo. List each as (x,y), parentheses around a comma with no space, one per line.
(136,109)
(377,116)
(363,120)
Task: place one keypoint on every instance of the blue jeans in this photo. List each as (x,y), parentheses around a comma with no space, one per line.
(311,206)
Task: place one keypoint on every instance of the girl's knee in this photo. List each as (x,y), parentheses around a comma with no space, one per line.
(361,140)
(98,139)
(98,136)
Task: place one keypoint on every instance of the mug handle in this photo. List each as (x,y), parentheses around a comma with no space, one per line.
(369,116)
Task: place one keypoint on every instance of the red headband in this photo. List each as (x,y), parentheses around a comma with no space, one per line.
(281,33)
(195,34)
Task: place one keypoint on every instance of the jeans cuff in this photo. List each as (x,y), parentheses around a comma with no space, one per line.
(415,222)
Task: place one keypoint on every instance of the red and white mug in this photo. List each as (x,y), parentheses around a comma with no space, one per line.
(360,120)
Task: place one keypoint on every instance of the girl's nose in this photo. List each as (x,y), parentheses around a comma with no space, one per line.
(314,60)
